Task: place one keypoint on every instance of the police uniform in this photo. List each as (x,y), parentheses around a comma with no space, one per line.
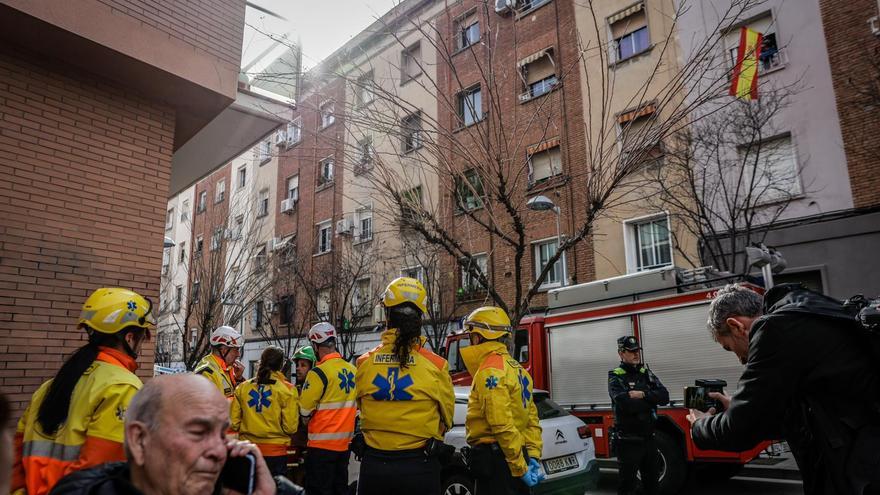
(404,410)
(634,421)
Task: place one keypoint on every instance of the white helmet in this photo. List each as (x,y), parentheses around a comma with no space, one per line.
(227,336)
(322,331)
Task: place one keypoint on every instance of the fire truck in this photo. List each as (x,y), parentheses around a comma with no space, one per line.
(570,347)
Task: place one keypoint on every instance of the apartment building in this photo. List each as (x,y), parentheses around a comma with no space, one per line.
(97,97)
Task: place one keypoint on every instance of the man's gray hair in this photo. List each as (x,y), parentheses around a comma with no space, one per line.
(146,404)
(730,301)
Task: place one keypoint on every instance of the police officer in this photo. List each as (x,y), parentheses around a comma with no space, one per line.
(406,400)
(635,393)
(502,419)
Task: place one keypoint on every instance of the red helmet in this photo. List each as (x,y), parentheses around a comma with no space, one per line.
(322,331)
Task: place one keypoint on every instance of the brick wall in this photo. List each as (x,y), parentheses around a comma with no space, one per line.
(85,170)
(213,26)
(854,54)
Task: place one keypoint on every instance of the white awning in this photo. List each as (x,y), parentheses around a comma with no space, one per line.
(623,14)
(533,57)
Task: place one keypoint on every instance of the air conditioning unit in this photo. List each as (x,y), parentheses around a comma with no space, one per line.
(524,97)
(344,226)
(504,6)
(287,205)
(280,138)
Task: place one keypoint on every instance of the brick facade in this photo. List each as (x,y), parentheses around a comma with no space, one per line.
(854,55)
(85,169)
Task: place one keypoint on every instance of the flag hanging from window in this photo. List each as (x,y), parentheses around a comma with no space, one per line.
(744,83)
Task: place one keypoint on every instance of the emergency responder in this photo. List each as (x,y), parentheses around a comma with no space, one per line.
(502,420)
(328,403)
(406,400)
(303,362)
(265,410)
(635,393)
(218,366)
(75,420)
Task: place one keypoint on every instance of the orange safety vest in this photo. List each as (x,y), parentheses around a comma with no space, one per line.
(328,396)
(93,433)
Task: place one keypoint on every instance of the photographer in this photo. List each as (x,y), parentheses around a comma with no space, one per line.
(809,379)
(635,393)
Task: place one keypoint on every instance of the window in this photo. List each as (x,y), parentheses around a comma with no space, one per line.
(544,250)
(470,283)
(194,293)
(771,56)
(169,219)
(412,204)
(629,30)
(364,157)
(771,170)
(181,258)
(328,115)
(216,238)
(416,272)
(324,237)
(203,201)
(545,161)
(527,5)
(264,151)
(294,131)
(242,177)
(361,298)
(649,243)
(258,313)
(260,257)
(326,171)
(538,74)
(365,224)
(365,89)
(293,188)
(470,106)
(467,31)
(220,193)
(410,63)
(199,245)
(263,203)
(285,310)
(638,137)
(469,189)
(184,211)
(411,127)
(178,298)
(238,227)
(324,305)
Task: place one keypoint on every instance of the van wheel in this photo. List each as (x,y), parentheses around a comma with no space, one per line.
(458,484)
(673,465)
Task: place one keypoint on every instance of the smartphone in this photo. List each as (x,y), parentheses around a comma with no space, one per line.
(238,474)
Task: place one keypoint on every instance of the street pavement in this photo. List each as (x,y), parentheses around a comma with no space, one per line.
(737,485)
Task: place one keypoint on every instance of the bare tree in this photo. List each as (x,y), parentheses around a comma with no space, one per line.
(476,150)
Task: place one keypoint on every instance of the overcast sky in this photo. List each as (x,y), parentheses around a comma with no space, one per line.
(321,25)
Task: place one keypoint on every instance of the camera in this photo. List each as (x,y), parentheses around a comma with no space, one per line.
(697,397)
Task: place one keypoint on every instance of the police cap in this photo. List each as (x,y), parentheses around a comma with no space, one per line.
(628,343)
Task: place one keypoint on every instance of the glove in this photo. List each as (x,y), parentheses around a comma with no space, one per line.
(530,478)
(535,466)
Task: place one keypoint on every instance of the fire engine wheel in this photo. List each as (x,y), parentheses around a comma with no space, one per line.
(673,465)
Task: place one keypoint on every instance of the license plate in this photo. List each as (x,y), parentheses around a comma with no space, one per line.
(559,464)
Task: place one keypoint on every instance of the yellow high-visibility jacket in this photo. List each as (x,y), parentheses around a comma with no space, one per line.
(93,433)
(266,414)
(402,407)
(328,396)
(500,407)
(213,368)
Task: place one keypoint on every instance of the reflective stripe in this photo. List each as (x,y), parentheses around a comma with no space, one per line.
(305,412)
(336,405)
(46,448)
(331,436)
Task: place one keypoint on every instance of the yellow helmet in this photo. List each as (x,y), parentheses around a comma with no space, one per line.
(112,310)
(489,321)
(404,289)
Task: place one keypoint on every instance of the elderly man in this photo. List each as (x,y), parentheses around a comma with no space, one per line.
(809,379)
(175,443)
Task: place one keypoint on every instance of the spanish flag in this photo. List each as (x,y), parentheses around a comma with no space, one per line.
(744,83)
